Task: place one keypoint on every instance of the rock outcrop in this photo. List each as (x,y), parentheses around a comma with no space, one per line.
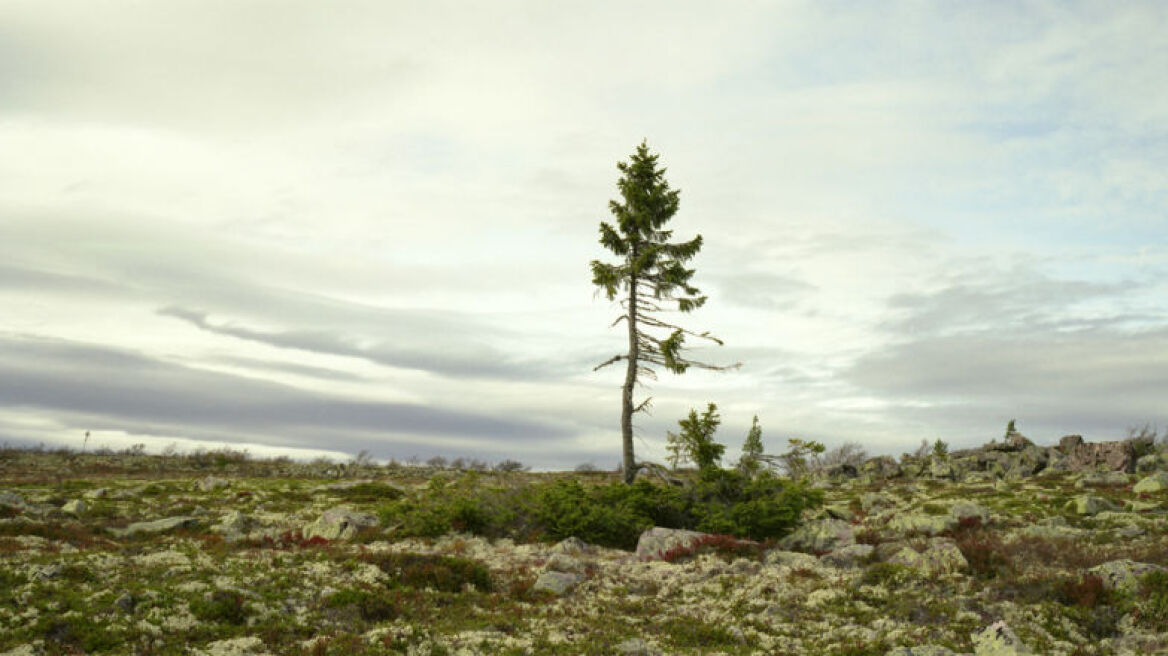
(659,540)
(339,523)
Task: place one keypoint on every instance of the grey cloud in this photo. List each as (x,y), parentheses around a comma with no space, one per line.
(292,368)
(1017,301)
(1074,382)
(40,280)
(120,389)
(484,363)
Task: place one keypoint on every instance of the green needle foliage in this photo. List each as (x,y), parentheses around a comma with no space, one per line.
(650,278)
(696,442)
(751,461)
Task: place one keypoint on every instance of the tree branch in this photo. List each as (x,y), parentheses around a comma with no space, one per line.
(615,358)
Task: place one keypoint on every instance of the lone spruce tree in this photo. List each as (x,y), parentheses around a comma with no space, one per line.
(650,278)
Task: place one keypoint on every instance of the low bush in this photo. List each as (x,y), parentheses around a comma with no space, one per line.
(611,515)
(371,605)
(368,493)
(1152,608)
(442,573)
(726,547)
(221,606)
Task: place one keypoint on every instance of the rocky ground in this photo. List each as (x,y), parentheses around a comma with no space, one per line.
(1008,549)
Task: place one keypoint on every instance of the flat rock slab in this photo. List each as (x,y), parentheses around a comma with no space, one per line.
(156,526)
(557,583)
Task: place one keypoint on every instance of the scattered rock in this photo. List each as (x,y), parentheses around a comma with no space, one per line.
(923,524)
(98,493)
(572,546)
(820,536)
(849,556)
(1147,463)
(1124,574)
(1089,505)
(941,557)
(234,526)
(792,559)
(564,563)
(74,507)
(636,647)
(156,526)
(658,540)
(964,510)
(1101,479)
(339,523)
(881,467)
(247,646)
(1157,482)
(998,640)
(872,501)
(557,583)
(941,468)
(126,602)
(839,511)
(212,483)
(45,572)
(925,650)
(11,499)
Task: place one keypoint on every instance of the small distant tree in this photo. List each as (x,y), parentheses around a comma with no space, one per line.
(649,276)
(695,443)
(941,448)
(510,465)
(802,457)
(848,453)
(751,461)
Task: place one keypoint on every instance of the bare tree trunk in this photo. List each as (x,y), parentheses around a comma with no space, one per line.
(630,465)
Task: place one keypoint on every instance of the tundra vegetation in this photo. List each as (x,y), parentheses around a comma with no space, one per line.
(1007,548)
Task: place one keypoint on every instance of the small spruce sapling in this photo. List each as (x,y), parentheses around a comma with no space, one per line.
(940,448)
(696,442)
(751,461)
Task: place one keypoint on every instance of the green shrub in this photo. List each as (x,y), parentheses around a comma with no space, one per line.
(1152,609)
(221,606)
(442,573)
(886,574)
(691,632)
(761,508)
(372,606)
(610,516)
(368,493)
(464,506)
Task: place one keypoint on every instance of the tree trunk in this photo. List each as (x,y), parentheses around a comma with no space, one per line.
(629,463)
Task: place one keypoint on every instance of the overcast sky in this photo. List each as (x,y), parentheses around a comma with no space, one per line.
(304,228)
